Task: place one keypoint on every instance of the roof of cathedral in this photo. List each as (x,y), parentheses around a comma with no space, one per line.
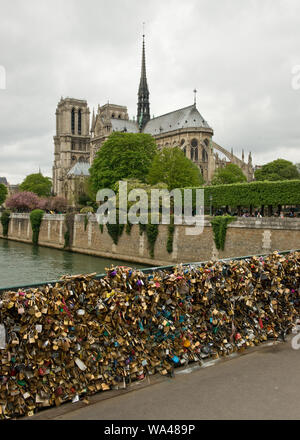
(80,169)
(187,117)
(124,125)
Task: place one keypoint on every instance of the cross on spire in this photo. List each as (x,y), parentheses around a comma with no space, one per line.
(195,95)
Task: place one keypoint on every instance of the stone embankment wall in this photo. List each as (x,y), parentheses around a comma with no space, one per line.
(246,236)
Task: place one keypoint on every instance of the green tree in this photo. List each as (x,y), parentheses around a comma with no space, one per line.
(230,174)
(122,156)
(3,193)
(172,167)
(279,169)
(37,184)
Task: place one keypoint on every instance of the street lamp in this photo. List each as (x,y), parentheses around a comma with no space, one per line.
(210,204)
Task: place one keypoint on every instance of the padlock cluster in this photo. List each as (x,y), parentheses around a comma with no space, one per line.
(66,341)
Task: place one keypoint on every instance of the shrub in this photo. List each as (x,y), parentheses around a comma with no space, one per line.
(219,225)
(69,223)
(86,209)
(286,192)
(36,217)
(5,218)
(152,233)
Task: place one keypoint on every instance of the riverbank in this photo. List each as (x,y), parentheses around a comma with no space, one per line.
(23,263)
(246,236)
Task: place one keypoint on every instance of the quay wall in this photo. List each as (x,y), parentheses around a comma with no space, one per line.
(246,236)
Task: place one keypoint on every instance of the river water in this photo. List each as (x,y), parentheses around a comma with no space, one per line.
(22,263)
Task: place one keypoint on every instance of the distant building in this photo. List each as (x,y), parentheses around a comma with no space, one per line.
(76,143)
(13,189)
(4,181)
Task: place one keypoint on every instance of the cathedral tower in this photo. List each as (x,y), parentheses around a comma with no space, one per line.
(71,143)
(143,110)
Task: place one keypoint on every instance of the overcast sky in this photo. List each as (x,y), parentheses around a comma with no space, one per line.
(238,54)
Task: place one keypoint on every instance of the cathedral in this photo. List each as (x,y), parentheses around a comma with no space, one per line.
(79,137)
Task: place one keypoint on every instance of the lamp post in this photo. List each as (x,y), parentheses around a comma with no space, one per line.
(210,204)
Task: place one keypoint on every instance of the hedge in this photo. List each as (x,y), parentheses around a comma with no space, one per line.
(285,192)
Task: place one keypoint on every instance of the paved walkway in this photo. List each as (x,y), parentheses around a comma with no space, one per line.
(263,383)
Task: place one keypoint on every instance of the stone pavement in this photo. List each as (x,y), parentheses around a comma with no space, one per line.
(262,383)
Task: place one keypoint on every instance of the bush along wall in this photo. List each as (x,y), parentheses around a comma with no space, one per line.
(115,230)
(5,218)
(152,234)
(219,226)
(36,217)
(69,225)
(171,229)
(128,228)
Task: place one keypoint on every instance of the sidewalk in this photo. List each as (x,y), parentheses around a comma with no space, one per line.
(263,383)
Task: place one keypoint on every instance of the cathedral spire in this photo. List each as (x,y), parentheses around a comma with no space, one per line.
(143,110)
(93,122)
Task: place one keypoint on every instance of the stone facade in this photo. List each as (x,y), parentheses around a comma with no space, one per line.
(71,142)
(77,140)
(246,236)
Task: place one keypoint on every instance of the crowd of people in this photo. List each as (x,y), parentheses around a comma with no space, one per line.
(292,213)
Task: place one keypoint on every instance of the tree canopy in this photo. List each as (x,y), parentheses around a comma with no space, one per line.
(230,174)
(172,167)
(23,201)
(3,193)
(122,156)
(37,184)
(279,169)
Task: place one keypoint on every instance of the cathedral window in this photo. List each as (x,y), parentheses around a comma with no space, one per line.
(194,143)
(204,155)
(73,146)
(184,150)
(73,120)
(196,153)
(79,121)
(194,149)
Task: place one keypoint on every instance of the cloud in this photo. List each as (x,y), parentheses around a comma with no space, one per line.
(239,56)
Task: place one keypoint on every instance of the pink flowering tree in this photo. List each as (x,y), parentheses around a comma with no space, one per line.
(24,201)
(58,204)
(44,203)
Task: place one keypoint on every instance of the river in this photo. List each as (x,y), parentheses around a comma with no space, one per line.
(22,263)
